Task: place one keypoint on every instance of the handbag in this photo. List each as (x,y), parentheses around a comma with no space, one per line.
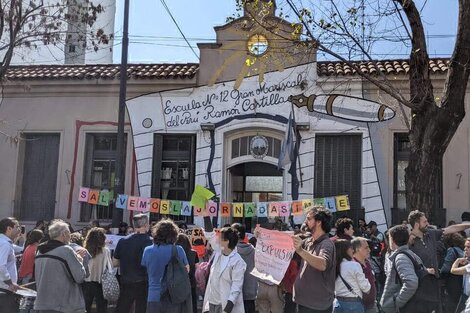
(109,283)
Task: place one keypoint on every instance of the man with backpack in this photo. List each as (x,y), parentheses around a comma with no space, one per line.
(402,282)
(424,243)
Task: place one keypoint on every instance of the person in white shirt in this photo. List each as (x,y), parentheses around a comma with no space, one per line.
(224,291)
(461,266)
(350,282)
(9,230)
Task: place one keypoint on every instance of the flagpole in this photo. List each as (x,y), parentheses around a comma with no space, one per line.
(297,145)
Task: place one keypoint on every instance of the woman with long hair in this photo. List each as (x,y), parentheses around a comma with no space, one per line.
(183,241)
(100,261)
(350,282)
(27,261)
(225,283)
(155,260)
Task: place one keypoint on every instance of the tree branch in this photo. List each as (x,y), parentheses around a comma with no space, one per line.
(421,89)
(459,68)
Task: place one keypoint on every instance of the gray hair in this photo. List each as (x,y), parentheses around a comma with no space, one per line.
(140,220)
(356,243)
(57,228)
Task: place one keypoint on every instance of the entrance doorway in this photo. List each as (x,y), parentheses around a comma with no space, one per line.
(255,182)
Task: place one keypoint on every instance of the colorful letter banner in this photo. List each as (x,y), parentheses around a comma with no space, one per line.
(121,202)
(295,208)
(284,208)
(186,209)
(175,207)
(83,194)
(143,204)
(330,204)
(211,208)
(104,198)
(154,205)
(273,209)
(262,209)
(93,196)
(200,211)
(238,210)
(249,209)
(342,203)
(132,203)
(274,250)
(164,207)
(319,201)
(225,209)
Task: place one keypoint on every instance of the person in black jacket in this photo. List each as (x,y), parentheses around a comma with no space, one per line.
(128,255)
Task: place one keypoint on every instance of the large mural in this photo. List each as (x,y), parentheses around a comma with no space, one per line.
(231,105)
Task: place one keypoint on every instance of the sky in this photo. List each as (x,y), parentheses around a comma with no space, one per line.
(154,38)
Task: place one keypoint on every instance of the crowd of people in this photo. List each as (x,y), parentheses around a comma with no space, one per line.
(412,267)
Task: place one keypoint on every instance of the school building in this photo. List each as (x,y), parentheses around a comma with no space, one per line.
(219,124)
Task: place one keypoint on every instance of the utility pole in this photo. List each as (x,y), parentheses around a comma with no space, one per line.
(121,149)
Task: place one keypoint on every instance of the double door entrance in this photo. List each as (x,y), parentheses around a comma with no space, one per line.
(254,182)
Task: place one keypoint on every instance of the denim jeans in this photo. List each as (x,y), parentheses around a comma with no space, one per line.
(348,306)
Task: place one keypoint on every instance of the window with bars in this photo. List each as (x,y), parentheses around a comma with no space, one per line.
(173,169)
(402,154)
(338,169)
(241,146)
(99,172)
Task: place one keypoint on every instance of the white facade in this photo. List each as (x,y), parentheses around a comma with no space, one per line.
(256,108)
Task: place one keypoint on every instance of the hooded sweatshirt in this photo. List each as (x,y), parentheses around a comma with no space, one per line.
(58,288)
(250,282)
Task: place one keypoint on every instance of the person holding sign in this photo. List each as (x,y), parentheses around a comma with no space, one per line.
(225,284)
(314,288)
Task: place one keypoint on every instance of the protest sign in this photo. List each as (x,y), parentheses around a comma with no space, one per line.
(198,240)
(112,241)
(274,250)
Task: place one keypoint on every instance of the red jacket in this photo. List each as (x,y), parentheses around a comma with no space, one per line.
(287,283)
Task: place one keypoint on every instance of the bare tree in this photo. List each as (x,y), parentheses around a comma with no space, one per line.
(354,25)
(29,24)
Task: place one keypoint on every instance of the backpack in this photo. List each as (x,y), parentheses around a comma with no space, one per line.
(176,281)
(202,273)
(376,247)
(427,290)
(453,283)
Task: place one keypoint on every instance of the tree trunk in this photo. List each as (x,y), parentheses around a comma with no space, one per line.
(431,132)
(433,126)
